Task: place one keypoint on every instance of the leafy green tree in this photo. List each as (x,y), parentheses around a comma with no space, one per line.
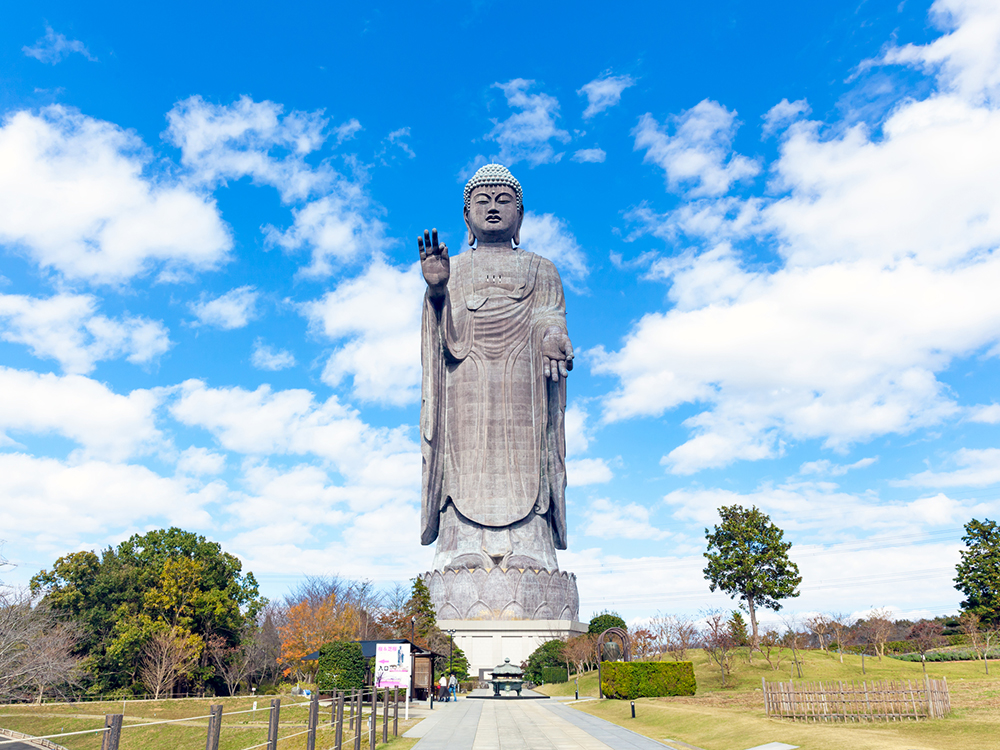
(457,663)
(164,578)
(978,572)
(738,629)
(420,609)
(748,559)
(549,654)
(604,620)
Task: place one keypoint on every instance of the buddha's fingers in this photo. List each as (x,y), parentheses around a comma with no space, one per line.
(427,243)
(434,240)
(420,244)
(563,370)
(545,367)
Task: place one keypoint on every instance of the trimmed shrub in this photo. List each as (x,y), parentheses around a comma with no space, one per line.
(341,667)
(554,674)
(627,680)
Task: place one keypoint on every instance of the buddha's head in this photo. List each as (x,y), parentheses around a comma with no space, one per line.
(493,206)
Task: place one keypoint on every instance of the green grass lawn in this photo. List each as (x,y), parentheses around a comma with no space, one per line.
(239,730)
(732,718)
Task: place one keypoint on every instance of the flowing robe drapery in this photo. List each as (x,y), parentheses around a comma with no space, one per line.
(492,426)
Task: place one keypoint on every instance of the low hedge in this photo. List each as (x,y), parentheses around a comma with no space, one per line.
(554,674)
(627,680)
(341,667)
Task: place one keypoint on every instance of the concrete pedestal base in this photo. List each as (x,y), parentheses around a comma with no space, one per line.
(487,643)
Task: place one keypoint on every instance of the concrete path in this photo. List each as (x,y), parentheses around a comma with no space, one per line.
(522,725)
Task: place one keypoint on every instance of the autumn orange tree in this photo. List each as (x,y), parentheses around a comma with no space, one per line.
(312,623)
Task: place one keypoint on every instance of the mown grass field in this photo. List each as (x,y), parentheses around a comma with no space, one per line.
(733,718)
(239,730)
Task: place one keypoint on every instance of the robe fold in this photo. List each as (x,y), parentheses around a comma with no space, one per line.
(492,426)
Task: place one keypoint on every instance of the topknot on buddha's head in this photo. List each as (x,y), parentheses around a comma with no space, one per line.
(493,174)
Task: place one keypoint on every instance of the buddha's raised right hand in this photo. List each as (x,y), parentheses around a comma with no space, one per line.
(434,262)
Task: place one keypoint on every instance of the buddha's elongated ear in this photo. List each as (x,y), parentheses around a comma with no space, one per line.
(517,229)
(470,236)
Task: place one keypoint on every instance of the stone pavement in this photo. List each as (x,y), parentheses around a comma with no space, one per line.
(470,724)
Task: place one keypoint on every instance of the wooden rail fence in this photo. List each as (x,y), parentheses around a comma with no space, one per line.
(881,700)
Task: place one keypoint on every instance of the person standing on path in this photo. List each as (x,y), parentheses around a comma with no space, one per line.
(443,688)
(453,686)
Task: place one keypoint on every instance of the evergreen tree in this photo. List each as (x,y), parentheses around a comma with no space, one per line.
(978,572)
(748,559)
(604,620)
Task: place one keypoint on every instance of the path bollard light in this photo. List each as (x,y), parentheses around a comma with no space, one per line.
(633,709)
(577,683)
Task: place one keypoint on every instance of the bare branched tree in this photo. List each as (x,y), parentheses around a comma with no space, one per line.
(981,636)
(878,626)
(674,634)
(821,626)
(168,655)
(717,641)
(840,624)
(770,647)
(237,664)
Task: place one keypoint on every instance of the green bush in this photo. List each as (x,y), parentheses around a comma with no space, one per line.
(549,654)
(626,680)
(961,655)
(554,674)
(341,667)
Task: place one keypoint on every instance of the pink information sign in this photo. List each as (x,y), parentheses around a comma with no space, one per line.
(392,665)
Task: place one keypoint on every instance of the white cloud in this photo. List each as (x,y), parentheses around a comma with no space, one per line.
(53,48)
(604,92)
(527,135)
(395,138)
(697,159)
(583,471)
(266,358)
(94,498)
(333,216)
(76,197)
(379,343)
(823,467)
(889,249)
(577,434)
(979,468)
(234,309)
(200,461)
(66,328)
(967,59)
(590,155)
(549,236)
(105,424)
(986,414)
(291,422)
(608,520)
(783,114)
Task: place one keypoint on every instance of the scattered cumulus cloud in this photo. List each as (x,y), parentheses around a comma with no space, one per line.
(783,114)
(842,339)
(590,155)
(604,92)
(266,358)
(583,471)
(54,48)
(549,236)
(610,520)
(200,461)
(976,468)
(332,215)
(697,159)
(103,424)
(67,328)
(78,196)
(527,135)
(231,310)
(378,345)
(985,414)
(823,467)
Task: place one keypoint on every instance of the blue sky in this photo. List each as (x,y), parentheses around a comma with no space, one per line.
(777,226)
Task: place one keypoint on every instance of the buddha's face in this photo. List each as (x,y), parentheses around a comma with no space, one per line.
(493,215)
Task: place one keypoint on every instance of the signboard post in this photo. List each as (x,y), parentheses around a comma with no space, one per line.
(392,668)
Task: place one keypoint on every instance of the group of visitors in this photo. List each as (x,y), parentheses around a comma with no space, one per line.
(448,688)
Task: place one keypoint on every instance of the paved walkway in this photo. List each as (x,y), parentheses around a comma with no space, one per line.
(522,725)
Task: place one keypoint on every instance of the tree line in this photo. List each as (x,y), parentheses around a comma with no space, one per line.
(169,612)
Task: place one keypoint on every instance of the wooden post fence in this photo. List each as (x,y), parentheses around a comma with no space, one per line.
(111,738)
(385,715)
(356,722)
(372,738)
(395,712)
(214,727)
(313,722)
(272,724)
(338,729)
(885,700)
